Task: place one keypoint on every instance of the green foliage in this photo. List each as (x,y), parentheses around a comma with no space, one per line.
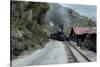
(27,24)
(86,44)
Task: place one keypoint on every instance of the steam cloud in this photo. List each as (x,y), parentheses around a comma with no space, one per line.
(58,16)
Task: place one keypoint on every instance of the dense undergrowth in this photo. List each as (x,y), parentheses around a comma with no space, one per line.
(27,26)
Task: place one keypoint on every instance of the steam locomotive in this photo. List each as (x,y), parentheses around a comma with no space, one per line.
(59,36)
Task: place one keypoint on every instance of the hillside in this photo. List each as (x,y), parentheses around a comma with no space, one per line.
(27,26)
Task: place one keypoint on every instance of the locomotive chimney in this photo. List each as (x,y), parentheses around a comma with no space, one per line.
(61,27)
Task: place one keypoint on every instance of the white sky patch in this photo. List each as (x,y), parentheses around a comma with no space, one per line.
(51,24)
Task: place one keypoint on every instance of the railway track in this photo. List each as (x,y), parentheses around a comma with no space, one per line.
(75,55)
(71,57)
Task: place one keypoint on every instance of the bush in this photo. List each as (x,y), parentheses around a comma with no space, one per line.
(86,44)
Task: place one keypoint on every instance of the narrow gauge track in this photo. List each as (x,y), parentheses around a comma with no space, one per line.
(74,55)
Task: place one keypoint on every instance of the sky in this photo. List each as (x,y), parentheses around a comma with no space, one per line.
(85,10)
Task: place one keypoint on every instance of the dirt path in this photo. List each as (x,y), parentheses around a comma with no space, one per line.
(53,53)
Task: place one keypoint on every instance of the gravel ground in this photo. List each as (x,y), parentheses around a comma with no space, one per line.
(89,54)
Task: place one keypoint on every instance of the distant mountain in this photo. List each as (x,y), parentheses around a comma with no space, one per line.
(85,10)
